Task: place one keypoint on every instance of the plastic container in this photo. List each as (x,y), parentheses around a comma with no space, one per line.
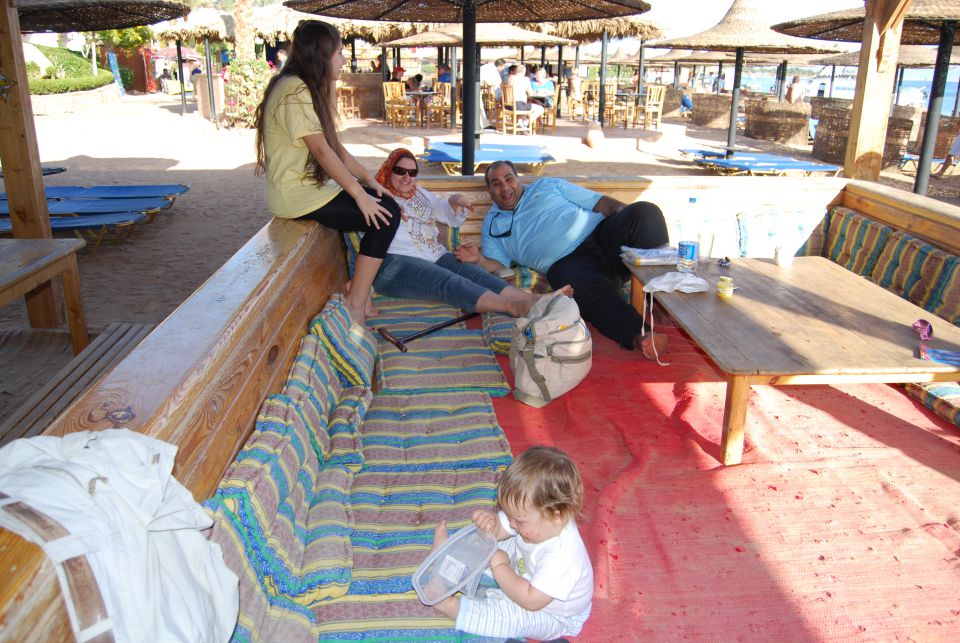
(455,566)
(725,287)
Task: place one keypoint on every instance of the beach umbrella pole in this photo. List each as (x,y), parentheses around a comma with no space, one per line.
(947,31)
(719,74)
(833,75)
(353,56)
(734,102)
(604,39)
(183,89)
(469,110)
(640,70)
(453,87)
(209,61)
(896,95)
(956,100)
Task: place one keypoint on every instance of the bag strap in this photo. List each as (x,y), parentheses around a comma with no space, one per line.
(535,375)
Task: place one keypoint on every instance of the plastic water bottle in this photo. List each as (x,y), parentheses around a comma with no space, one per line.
(687,251)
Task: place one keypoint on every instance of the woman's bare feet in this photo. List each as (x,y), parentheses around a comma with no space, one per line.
(651,345)
(368,310)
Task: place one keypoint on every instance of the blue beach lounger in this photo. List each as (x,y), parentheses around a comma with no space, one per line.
(92,227)
(765,165)
(159,191)
(450,155)
(56,207)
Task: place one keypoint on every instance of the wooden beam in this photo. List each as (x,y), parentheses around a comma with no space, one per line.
(20,157)
(889,13)
(871,104)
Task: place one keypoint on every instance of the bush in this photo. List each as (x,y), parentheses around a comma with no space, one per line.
(41,86)
(244,90)
(33,70)
(126,77)
(72,64)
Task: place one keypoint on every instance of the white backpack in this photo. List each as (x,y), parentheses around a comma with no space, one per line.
(551,351)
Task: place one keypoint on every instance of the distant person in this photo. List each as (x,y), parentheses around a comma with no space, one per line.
(397,74)
(281,58)
(443,75)
(544,88)
(413,83)
(196,70)
(521,88)
(490,74)
(796,91)
(376,65)
(686,104)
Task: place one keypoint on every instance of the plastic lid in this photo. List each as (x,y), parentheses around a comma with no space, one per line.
(455,566)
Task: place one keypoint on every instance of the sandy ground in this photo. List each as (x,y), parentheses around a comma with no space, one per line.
(145,139)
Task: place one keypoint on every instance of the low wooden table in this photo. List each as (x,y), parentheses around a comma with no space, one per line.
(28,263)
(811,323)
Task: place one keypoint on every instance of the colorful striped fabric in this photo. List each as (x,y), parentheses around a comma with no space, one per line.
(529,279)
(854,241)
(498,331)
(453,359)
(351,348)
(945,297)
(314,384)
(913,269)
(941,397)
(346,447)
(429,457)
(285,519)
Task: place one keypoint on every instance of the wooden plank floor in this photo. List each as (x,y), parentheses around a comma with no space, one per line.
(28,359)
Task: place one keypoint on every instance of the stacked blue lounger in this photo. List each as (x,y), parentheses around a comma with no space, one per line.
(449,152)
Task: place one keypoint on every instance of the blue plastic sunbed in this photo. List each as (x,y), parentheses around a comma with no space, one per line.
(766,165)
(915,159)
(691,151)
(159,191)
(97,206)
(450,155)
(93,226)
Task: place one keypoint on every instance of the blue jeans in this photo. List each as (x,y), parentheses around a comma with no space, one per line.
(448,280)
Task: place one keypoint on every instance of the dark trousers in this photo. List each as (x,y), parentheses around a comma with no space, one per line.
(597,273)
(342,213)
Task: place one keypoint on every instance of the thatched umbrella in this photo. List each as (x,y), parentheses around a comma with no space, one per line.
(744,28)
(469,13)
(61,16)
(926,22)
(204,24)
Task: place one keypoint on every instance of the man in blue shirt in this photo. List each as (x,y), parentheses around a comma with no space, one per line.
(573,236)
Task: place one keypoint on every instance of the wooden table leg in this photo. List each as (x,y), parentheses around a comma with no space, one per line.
(734,420)
(71,292)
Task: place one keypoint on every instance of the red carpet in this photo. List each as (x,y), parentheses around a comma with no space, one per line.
(842,523)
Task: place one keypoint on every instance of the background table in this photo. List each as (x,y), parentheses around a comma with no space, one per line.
(28,263)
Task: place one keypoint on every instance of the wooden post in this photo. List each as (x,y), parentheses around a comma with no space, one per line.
(871,104)
(21,163)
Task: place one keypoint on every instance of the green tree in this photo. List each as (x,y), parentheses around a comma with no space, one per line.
(126,38)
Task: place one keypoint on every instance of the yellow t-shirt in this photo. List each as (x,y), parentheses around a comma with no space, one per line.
(291,190)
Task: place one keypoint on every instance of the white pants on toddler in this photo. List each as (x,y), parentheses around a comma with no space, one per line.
(498,616)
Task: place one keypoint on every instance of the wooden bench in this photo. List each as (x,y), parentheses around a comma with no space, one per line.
(198,380)
(102,354)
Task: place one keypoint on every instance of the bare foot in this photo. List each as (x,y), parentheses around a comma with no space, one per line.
(369,310)
(651,345)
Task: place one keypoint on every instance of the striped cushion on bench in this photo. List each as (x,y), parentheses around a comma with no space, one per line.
(854,241)
(282,519)
(944,298)
(941,397)
(351,348)
(913,269)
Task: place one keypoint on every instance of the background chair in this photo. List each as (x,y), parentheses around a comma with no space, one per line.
(515,120)
(400,111)
(438,107)
(549,118)
(652,107)
(347,105)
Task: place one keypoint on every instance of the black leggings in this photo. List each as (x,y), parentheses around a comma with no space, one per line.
(342,213)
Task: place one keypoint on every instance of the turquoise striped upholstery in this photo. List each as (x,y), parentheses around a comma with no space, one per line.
(351,348)
(941,397)
(912,268)
(453,359)
(854,241)
(282,516)
(944,298)
(346,447)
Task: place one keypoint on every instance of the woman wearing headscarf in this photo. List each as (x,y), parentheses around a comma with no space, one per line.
(418,266)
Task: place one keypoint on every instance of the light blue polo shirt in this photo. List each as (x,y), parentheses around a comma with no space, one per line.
(552,218)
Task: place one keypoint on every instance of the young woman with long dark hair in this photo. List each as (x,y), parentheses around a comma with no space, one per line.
(310,175)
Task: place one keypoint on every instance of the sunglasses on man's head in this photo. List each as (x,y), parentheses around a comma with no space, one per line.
(403,171)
